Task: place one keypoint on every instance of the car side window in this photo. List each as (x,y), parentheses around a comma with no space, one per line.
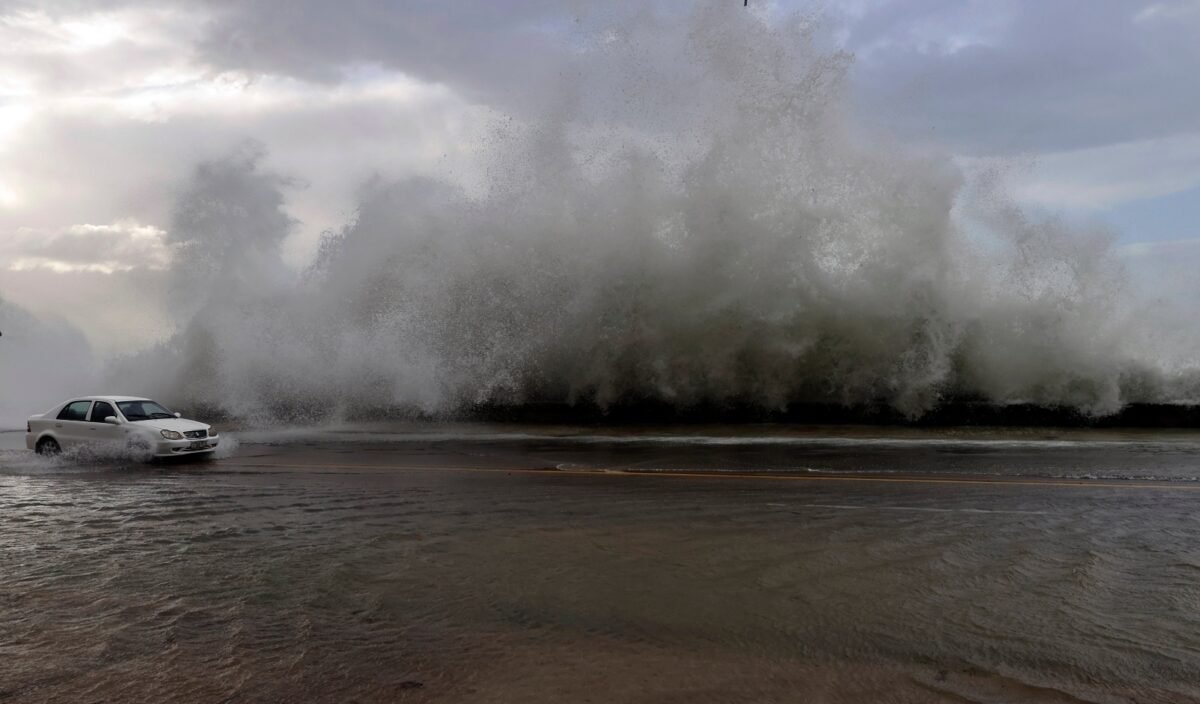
(101,411)
(76,410)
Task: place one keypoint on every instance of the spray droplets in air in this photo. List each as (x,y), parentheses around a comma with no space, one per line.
(690,217)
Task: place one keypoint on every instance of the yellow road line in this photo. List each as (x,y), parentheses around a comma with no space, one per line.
(1080,484)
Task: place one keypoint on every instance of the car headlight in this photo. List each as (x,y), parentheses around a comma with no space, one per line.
(171,435)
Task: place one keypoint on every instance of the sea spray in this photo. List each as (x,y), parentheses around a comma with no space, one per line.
(42,361)
(690,216)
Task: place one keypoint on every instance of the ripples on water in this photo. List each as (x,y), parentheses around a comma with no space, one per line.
(252,579)
(1041,453)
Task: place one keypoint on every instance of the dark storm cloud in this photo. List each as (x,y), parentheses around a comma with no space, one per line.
(991,77)
(484,49)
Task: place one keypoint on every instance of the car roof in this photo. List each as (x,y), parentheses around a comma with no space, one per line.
(118,399)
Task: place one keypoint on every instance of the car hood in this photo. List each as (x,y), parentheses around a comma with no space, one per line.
(179,425)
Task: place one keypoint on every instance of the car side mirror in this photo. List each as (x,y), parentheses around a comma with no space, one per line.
(112,419)
(178,414)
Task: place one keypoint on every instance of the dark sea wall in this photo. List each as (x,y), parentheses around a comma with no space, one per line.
(947,415)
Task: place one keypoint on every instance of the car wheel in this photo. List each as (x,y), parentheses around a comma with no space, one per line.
(48,446)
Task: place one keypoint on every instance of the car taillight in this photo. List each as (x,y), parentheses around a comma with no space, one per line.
(28,427)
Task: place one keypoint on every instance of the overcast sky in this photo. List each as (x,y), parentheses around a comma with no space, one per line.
(107,106)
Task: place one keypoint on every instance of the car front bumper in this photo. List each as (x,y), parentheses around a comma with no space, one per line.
(187,446)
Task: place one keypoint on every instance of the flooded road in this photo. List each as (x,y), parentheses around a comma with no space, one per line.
(484,564)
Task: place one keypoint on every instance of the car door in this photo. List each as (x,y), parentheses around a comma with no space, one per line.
(70,426)
(100,432)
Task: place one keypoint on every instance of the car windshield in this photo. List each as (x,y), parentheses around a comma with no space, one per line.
(143,410)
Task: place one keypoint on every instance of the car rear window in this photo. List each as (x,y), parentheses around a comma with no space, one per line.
(101,411)
(76,410)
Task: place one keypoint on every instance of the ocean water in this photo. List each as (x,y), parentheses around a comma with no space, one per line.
(463,563)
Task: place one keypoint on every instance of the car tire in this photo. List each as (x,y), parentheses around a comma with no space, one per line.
(48,446)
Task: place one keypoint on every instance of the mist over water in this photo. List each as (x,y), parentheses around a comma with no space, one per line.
(690,216)
(41,360)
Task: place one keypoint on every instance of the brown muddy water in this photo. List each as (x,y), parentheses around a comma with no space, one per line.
(502,564)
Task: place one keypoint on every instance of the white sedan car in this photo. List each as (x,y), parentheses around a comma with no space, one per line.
(120,422)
